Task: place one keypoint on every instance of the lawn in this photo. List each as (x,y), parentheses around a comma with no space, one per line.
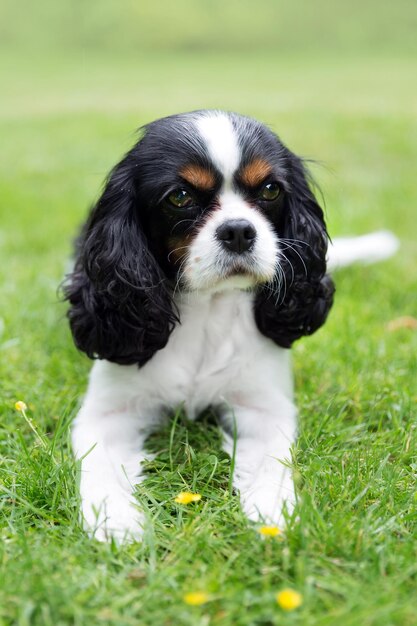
(68,111)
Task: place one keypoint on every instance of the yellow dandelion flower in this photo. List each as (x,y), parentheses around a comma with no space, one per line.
(20,406)
(185,497)
(269,531)
(288,599)
(196,598)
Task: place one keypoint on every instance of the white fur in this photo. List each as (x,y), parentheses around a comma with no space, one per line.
(207,261)
(216,357)
(366,249)
(222,143)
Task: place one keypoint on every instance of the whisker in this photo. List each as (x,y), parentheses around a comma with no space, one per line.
(294,241)
(179,275)
(192,220)
(291,266)
(300,257)
(176,250)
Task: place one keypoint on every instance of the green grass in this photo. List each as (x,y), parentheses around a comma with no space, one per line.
(68,110)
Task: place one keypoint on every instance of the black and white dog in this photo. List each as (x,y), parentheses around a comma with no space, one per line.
(200,265)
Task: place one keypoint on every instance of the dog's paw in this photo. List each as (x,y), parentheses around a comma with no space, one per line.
(268,503)
(115,519)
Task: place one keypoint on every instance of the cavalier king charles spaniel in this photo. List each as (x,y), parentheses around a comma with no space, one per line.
(201,263)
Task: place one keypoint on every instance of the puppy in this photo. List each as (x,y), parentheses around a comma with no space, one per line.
(202,262)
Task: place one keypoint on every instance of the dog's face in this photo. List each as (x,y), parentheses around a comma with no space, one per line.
(213,191)
(204,201)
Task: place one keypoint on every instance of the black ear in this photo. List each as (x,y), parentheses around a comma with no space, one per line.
(121,308)
(306,292)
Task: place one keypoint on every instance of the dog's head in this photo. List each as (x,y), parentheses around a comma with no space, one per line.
(204,201)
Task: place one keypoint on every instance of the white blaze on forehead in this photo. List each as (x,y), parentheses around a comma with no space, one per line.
(222,142)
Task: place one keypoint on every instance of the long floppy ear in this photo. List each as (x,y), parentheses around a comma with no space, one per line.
(121,308)
(306,292)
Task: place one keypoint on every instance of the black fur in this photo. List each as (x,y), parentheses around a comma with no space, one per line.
(120,291)
(308,291)
(121,308)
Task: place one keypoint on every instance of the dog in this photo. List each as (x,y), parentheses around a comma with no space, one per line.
(201,263)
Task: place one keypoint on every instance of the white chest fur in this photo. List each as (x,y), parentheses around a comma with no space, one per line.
(215,357)
(209,350)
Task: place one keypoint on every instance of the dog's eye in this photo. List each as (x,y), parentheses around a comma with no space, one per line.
(180,198)
(269,192)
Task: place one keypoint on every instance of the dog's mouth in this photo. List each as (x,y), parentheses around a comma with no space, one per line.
(243,265)
(236,265)
(241,273)
(238,271)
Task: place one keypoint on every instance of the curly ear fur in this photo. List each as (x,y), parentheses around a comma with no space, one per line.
(121,309)
(307,290)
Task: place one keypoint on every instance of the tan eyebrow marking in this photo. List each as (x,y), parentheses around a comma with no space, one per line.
(198,176)
(255,172)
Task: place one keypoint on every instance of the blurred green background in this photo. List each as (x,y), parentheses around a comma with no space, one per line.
(336,81)
(194,25)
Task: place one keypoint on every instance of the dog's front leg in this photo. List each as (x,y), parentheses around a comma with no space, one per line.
(110,447)
(260,437)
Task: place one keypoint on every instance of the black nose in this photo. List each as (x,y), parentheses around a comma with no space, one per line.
(236,235)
